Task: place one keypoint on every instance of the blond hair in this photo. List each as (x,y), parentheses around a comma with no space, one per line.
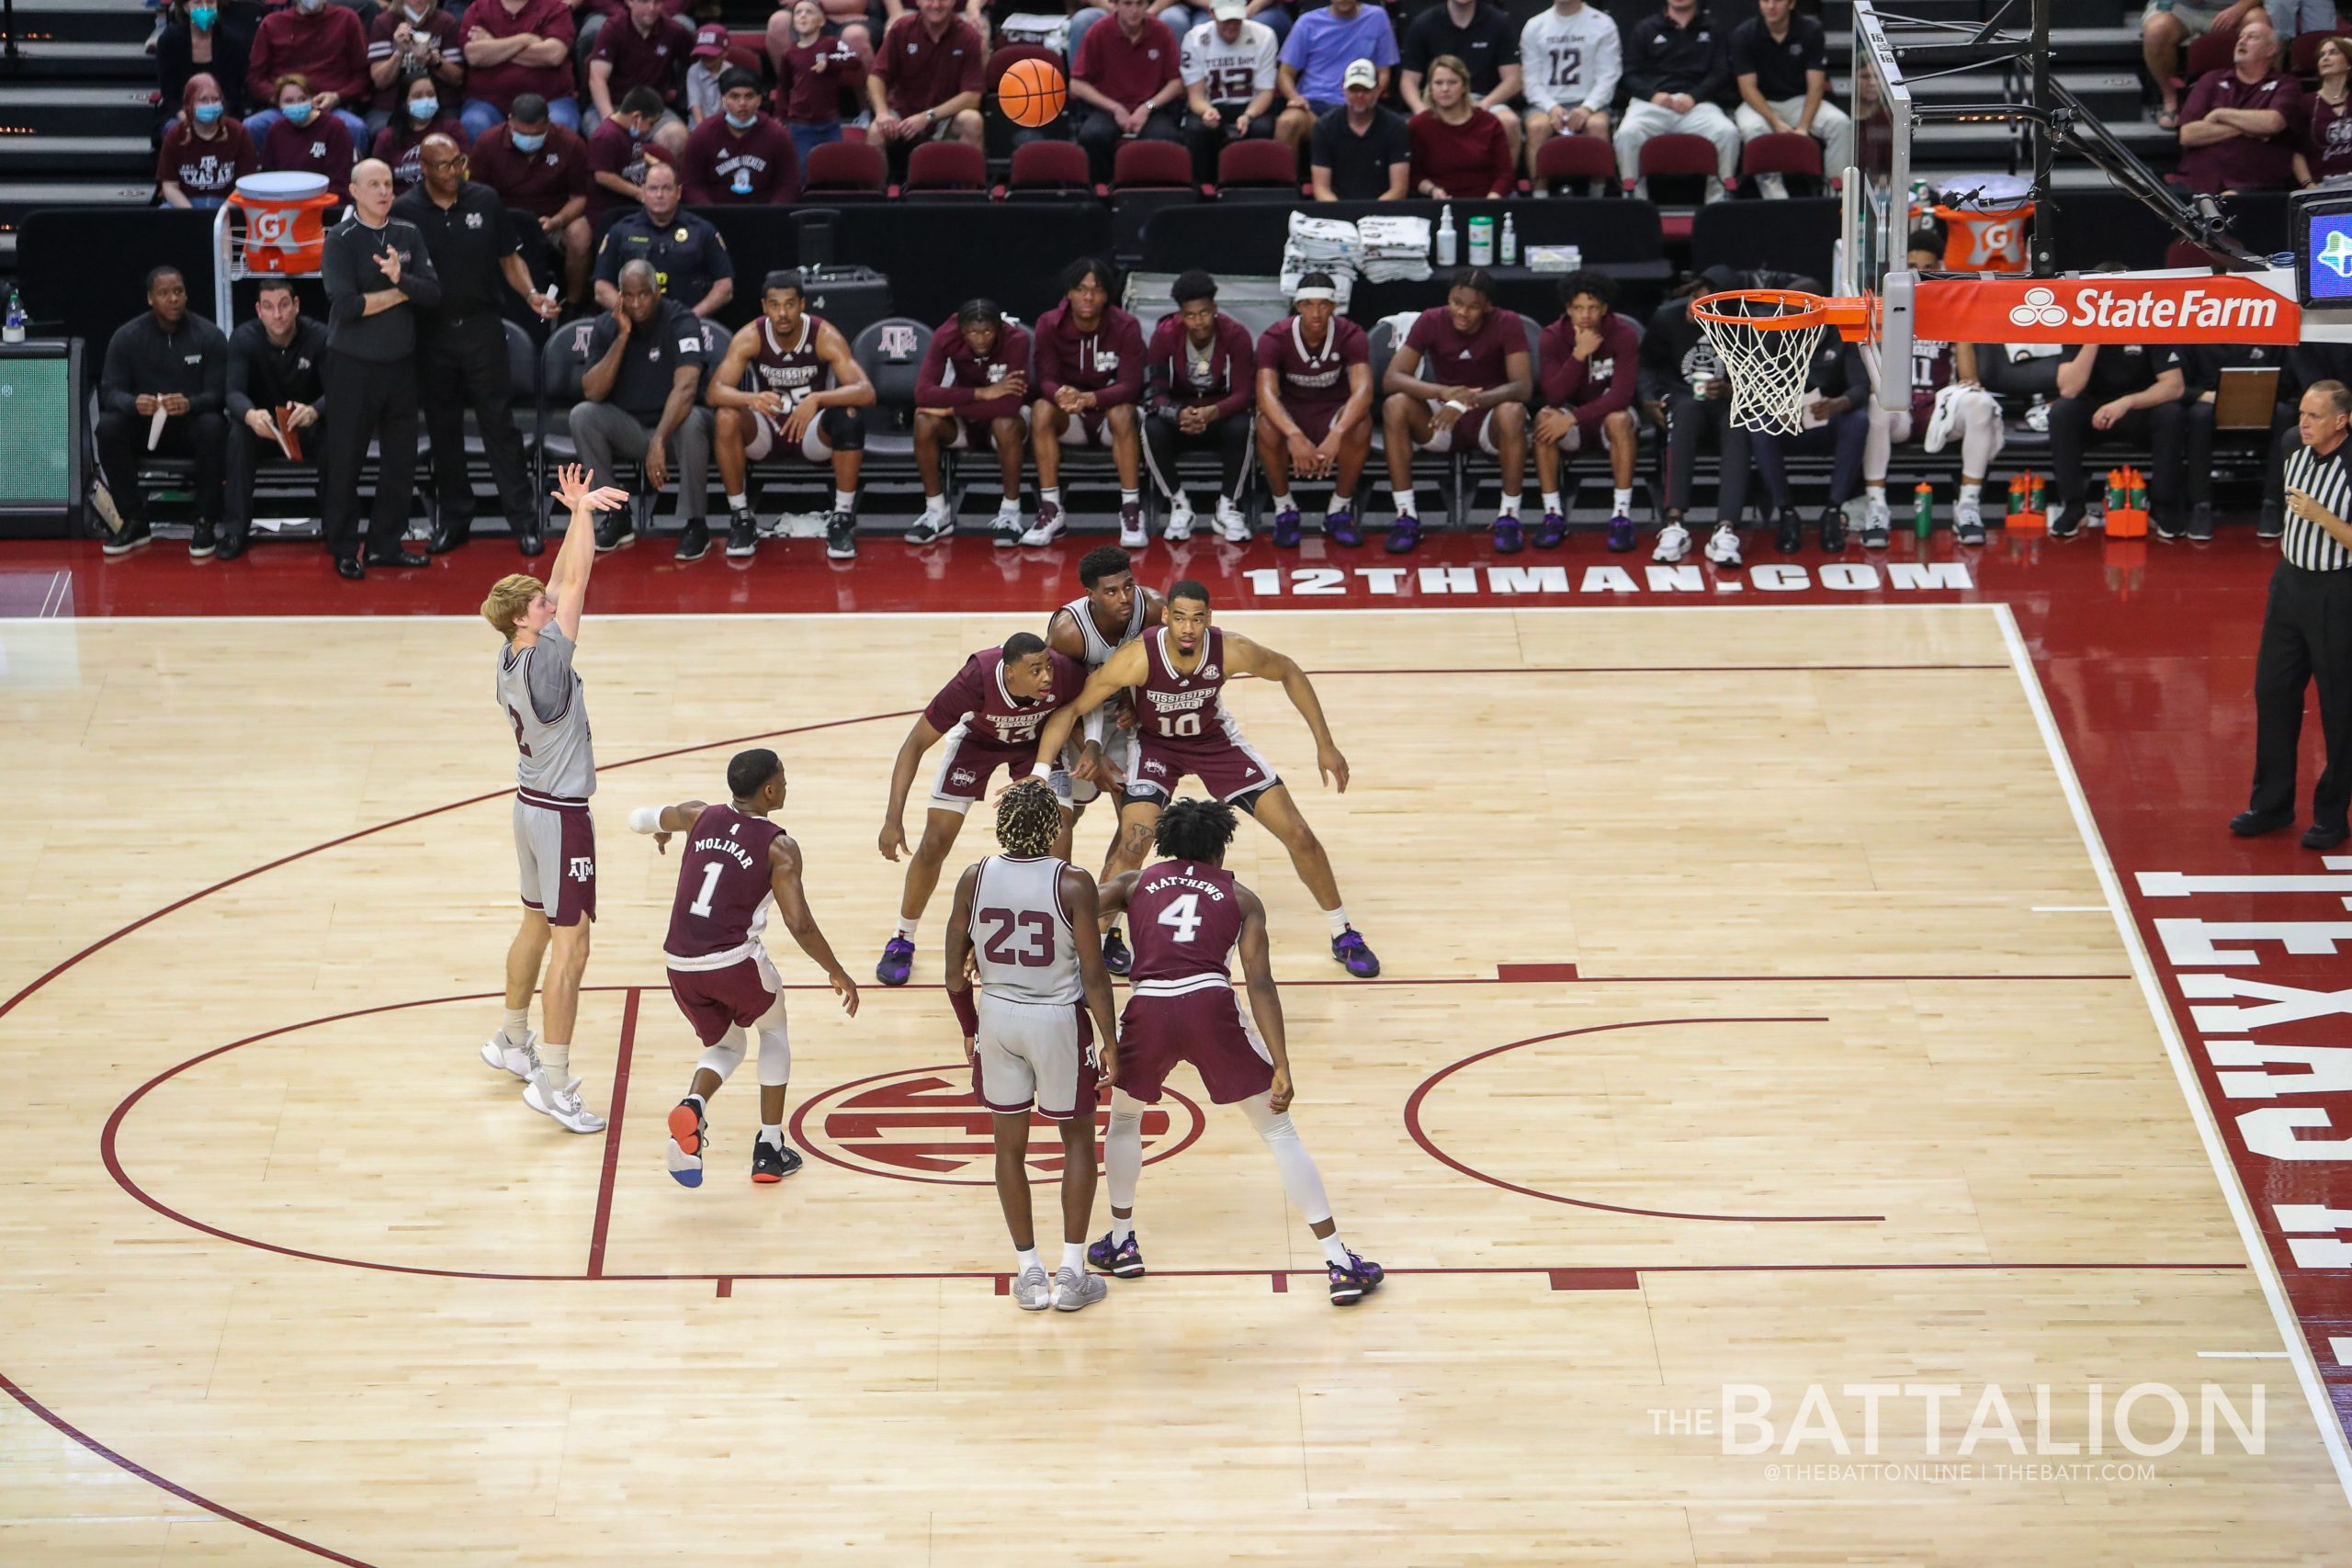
(510,600)
(1028,819)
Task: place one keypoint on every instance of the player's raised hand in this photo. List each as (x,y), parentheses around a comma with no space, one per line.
(893,840)
(1334,766)
(845,988)
(1279,1097)
(571,485)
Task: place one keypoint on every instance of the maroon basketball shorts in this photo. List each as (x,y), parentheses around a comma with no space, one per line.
(767,432)
(555,849)
(965,766)
(1228,766)
(1313,422)
(976,434)
(741,994)
(1471,433)
(1198,1019)
(1088,427)
(1039,1053)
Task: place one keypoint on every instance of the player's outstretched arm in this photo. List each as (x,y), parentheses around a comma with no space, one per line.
(1265,1002)
(1077,898)
(568,578)
(792,908)
(663,820)
(1127,667)
(1111,898)
(920,739)
(1243,657)
(959,959)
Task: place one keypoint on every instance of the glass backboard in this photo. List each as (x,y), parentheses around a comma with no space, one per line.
(1877,213)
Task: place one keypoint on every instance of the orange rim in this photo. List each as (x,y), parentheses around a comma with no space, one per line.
(1794,309)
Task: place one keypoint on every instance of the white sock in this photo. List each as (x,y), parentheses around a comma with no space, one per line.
(1131,498)
(1283,502)
(700,1103)
(1552,502)
(1337,915)
(934,504)
(1009,507)
(1026,1259)
(1874,491)
(1050,497)
(1121,1229)
(557,1060)
(1509,507)
(1177,500)
(906,927)
(1406,505)
(1335,1249)
(844,501)
(517,1027)
(1339,503)
(737,502)
(1074,1257)
(1623,501)
(1969,494)
(772,1134)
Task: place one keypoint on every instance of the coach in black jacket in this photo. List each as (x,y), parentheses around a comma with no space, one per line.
(376,272)
(277,372)
(178,362)
(1677,70)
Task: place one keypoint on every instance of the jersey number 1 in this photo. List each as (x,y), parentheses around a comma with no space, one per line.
(701,906)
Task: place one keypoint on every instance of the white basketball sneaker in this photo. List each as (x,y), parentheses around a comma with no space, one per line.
(1722,546)
(1232,523)
(1048,526)
(1075,1291)
(563,1106)
(1180,522)
(1673,544)
(506,1058)
(1032,1291)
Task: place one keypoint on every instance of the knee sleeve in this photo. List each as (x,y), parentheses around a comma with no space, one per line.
(727,1056)
(844,429)
(776,1054)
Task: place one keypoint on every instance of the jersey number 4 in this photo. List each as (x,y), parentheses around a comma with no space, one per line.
(1182,917)
(1001,949)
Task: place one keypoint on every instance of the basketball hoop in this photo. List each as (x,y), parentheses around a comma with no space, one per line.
(1765,338)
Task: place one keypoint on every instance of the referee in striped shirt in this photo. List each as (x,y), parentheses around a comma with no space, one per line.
(2307,630)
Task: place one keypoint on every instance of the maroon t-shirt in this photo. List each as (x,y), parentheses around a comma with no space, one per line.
(723,881)
(996,721)
(537,183)
(952,374)
(727,167)
(1226,381)
(1107,361)
(1203,921)
(612,151)
(1469,158)
(811,96)
(2327,137)
(329,50)
(321,147)
(207,168)
(1449,359)
(1126,71)
(400,145)
(502,85)
(657,60)
(1313,378)
(2242,162)
(438,26)
(1592,389)
(923,72)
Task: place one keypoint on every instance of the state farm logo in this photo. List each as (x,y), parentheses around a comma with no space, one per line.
(923,1124)
(2163,303)
(2041,309)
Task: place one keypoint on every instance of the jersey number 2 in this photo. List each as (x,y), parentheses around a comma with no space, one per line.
(519,744)
(1182,917)
(1000,949)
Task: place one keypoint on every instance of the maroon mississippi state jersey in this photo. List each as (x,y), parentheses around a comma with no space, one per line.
(1449,359)
(1182,707)
(1183,919)
(723,884)
(977,700)
(1312,377)
(792,371)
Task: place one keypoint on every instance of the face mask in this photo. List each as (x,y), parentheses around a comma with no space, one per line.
(310,7)
(745,123)
(297,112)
(203,16)
(422,109)
(531,144)
(416,13)
(637,133)
(208,114)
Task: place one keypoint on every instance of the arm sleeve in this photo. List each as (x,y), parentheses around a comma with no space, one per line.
(1242,365)
(118,383)
(241,369)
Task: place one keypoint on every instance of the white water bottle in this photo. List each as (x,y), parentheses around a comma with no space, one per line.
(1511,242)
(1447,240)
(13,331)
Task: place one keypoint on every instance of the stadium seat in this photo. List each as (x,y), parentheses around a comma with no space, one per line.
(1258,171)
(1049,168)
(2210,53)
(522,398)
(1151,165)
(845,169)
(2303,58)
(1792,155)
(946,169)
(1587,159)
(1686,164)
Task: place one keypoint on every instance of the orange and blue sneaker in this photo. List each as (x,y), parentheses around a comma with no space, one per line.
(898,961)
(688,1136)
(1352,950)
(1286,528)
(771,1163)
(1552,532)
(1356,1280)
(1122,1258)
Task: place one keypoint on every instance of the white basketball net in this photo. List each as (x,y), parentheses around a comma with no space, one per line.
(1764,357)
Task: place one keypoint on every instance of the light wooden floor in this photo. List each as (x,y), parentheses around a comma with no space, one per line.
(1813,1005)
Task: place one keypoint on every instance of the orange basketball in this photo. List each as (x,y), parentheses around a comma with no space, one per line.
(1032,92)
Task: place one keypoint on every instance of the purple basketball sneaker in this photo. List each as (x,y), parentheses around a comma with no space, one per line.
(898,961)
(1286,528)
(1352,950)
(1123,1259)
(1350,1284)
(1552,532)
(1339,526)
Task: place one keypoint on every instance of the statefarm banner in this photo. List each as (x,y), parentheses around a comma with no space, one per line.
(2109,308)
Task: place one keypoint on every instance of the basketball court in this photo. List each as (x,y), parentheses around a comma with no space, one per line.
(1682,1074)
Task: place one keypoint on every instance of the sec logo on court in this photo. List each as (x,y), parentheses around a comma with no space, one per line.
(923,1124)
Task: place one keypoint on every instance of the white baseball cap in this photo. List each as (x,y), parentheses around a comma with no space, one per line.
(1361,73)
(1229,10)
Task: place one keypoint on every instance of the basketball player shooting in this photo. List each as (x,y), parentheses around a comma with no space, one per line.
(555,836)
(1042,1030)
(736,863)
(1189,915)
(1177,675)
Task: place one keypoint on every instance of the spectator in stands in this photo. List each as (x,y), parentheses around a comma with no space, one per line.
(856,23)
(1229,68)
(397,144)
(540,169)
(1483,40)
(689,259)
(277,402)
(1316,57)
(1677,69)
(2243,127)
(811,409)
(1200,380)
(1588,366)
(1835,408)
(1362,151)
(621,150)
(2180,439)
(972,393)
(378,275)
(461,361)
(2165,28)
(200,38)
(303,140)
(812,73)
(322,45)
(172,361)
(648,48)
(1684,390)
(745,157)
(409,42)
(2326,149)
(1572,57)
(1779,62)
(1124,83)
(2104,394)
(1090,361)
(1179,19)
(204,152)
(1460,151)
(641,399)
(1460,379)
(514,47)
(1315,399)
(926,80)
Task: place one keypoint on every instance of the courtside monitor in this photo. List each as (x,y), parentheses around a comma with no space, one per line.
(2323,231)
